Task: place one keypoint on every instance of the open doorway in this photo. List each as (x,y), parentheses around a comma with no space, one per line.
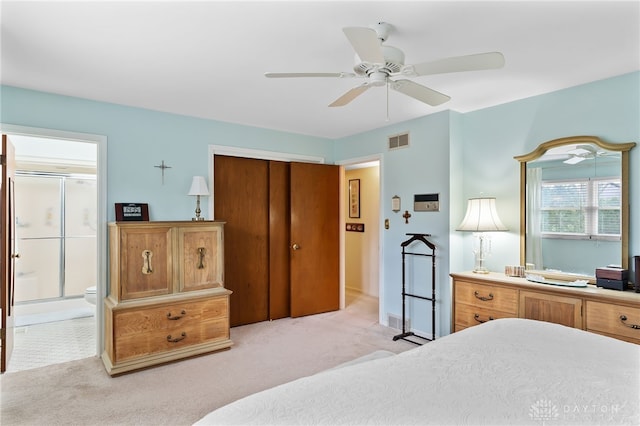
(362,238)
(57,237)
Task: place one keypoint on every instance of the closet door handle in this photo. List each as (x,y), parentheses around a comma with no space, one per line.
(295,246)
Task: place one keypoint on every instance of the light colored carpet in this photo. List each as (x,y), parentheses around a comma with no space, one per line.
(264,355)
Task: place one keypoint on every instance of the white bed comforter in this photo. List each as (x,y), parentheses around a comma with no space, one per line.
(507,371)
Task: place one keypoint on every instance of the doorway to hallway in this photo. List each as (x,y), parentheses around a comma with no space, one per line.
(362,233)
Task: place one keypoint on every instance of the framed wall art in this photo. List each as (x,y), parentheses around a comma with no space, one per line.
(354,198)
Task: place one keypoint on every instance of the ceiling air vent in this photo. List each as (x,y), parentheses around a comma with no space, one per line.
(399,141)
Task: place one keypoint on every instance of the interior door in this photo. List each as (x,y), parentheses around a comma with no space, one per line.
(7,252)
(241,190)
(315,238)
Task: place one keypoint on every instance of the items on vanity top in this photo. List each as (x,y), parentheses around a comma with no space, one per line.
(612,278)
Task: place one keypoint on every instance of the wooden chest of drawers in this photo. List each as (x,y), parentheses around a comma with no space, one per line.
(477,303)
(483,297)
(619,321)
(166,300)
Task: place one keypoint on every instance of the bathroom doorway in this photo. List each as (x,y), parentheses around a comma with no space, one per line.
(57,239)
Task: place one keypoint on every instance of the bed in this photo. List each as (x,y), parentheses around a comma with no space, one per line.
(507,371)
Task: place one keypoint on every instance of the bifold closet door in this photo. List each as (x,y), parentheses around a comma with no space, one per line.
(279,237)
(241,199)
(315,238)
(282,237)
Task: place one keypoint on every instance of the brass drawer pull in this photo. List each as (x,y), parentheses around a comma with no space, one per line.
(177,339)
(477,318)
(169,317)
(201,253)
(146,262)
(623,318)
(483,298)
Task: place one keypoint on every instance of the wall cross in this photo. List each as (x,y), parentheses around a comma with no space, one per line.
(162,167)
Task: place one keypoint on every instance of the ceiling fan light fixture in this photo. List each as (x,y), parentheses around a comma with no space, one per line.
(378,79)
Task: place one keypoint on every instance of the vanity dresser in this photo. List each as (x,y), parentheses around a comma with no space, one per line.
(483,297)
(167,299)
(572,161)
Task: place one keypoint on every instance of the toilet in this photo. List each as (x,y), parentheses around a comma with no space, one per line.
(90,295)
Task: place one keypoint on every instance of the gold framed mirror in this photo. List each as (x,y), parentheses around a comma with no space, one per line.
(574,207)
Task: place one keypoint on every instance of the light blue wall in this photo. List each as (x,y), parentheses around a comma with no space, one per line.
(609,109)
(421,168)
(476,158)
(456,155)
(139,139)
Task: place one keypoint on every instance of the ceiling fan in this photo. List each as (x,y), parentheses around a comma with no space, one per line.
(381,65)
(584,152)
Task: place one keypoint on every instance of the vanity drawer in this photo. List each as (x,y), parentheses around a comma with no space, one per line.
(614,320)
(487,297)
(470,315)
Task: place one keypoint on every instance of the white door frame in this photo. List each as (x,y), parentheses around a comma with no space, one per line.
(101,234)
(352,162)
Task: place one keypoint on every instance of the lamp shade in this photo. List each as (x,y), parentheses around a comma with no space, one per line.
(481,216)
(199,186)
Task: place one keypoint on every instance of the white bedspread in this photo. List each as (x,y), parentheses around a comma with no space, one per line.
(507,371)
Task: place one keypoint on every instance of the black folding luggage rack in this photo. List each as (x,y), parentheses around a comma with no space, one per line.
(405,334)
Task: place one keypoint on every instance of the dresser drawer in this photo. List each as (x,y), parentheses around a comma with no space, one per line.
(614,320)
(469,315)
(486,297)
(165,327)
(167,316)
(179,336)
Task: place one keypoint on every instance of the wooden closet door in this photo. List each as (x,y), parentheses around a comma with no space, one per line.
(241,192)
(279,237)
(315,238)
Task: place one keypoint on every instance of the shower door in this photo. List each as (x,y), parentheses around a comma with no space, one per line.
(56,233)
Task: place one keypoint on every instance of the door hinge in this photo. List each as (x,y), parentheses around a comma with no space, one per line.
(3,160)
(3,333)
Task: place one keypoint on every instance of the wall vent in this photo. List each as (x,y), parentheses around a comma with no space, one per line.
(396,322)
(399,141)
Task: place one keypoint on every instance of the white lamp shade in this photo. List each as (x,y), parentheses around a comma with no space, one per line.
(481,216)
(199,186)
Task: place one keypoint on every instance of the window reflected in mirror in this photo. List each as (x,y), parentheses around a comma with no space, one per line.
(573,193)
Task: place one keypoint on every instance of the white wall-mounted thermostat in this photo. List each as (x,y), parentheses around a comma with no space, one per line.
(426,202)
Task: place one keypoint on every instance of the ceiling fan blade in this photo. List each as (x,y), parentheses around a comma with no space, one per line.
(350,95)
(419,92)
(574,160)
(477,62)
(308,74)
(366,44)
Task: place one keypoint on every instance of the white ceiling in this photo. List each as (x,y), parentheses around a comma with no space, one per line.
(207,58)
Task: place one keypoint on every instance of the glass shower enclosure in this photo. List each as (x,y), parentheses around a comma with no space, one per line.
(56,217)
